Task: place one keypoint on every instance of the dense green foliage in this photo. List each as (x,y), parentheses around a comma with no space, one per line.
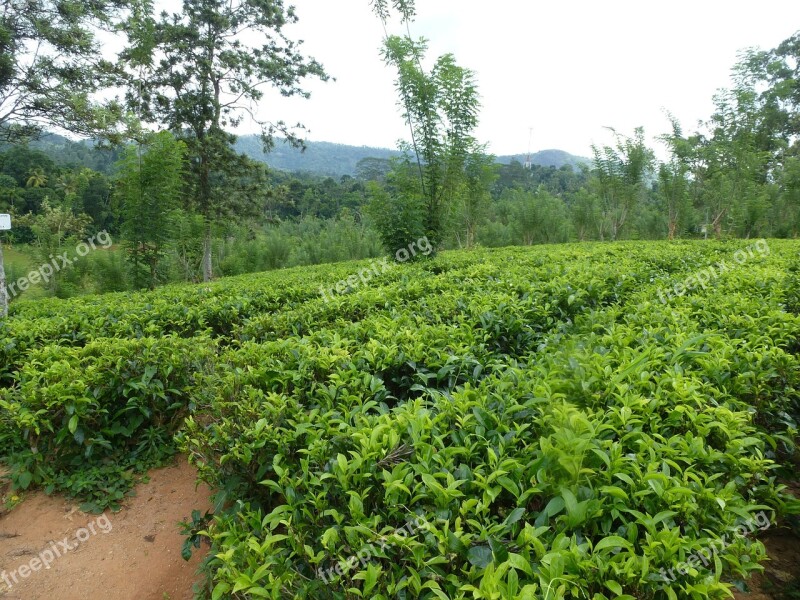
(577,421)
(194,73)
(563,421)
(149,187)
(50,64)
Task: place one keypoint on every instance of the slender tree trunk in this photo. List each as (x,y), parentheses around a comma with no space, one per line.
(207,270)
(3,291)
(672,227)
(153,270)
(204,197)
(717,224)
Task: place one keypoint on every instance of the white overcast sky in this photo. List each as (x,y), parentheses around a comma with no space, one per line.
(564,68)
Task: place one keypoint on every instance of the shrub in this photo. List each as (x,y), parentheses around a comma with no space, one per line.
(99,410)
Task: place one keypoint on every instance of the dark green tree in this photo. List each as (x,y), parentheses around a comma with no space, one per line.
(95,201)
(50,66)
(148,192)
(373,169)
(621,174)
(200,72)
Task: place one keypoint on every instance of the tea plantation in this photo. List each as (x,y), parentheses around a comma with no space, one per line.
(579,421)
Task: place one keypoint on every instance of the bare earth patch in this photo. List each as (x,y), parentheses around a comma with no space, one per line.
(781,572)
(137,557)
(781,577)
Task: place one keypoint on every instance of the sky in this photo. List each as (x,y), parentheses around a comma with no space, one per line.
(565,69)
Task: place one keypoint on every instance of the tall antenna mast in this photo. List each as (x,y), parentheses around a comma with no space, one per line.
(528,163)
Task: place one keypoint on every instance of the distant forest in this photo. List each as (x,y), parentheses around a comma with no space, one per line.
(318,158)
(316,183)
(189,200)
(335,160)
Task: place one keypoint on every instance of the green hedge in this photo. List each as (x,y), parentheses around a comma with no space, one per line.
(520,422)
(80,419)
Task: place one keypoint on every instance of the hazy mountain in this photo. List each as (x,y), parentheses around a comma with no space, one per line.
(323,158)
(326,158)
(69,153)
(547,158)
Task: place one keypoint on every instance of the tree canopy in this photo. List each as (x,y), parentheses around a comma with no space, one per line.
(192,72)
(50,66)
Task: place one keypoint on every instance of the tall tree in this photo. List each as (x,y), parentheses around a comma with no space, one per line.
(757,126)
(474,199)
(148,189)
(441,108)
(205,68)
(622,172)
(773,79)
(735,163)
(783,75)
(673,180)
(50,66)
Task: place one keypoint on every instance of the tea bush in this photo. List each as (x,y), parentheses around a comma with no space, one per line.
(78,419)
(549,422)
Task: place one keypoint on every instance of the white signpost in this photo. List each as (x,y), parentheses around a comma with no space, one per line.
(5,225)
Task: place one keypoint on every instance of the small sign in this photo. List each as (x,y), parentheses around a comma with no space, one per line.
(5,222)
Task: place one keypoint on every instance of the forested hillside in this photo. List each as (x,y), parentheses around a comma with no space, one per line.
(337,160)
(319,158)
(547,158)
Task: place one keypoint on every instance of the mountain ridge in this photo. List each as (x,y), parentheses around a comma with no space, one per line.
(320,158)
(337,160)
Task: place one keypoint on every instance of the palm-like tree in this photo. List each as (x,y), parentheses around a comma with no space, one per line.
(36,178)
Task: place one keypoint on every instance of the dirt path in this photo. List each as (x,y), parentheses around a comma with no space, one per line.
(134,554)
(781,576)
